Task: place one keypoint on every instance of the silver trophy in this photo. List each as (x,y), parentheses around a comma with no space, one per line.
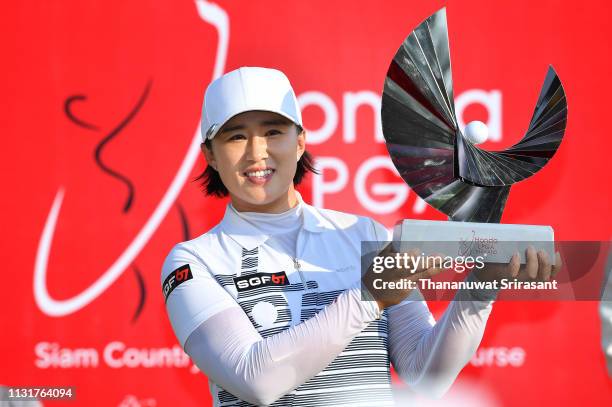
(442,162)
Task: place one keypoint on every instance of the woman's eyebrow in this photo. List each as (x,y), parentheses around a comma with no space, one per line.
(233,128)
(271,122)
(274,122)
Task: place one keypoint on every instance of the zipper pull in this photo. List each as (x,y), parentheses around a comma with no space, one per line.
(296,264)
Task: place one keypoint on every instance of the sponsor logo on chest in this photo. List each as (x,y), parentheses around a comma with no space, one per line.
(257,280)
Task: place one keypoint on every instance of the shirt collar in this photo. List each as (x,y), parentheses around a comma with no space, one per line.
(249,237)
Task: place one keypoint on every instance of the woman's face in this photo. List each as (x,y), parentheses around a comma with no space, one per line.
(256,155)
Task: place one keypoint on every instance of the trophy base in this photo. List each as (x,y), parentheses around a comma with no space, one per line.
(495,242)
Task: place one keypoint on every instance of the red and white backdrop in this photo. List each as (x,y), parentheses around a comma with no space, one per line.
(100,148)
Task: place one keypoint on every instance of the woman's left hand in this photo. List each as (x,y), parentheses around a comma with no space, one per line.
(538,267)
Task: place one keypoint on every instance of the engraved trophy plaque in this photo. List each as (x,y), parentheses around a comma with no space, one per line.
(442,162)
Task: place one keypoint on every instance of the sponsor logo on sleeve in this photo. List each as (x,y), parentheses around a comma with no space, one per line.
(176,278)
(256,280)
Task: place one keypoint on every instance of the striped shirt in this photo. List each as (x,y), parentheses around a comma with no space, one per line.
(278,287)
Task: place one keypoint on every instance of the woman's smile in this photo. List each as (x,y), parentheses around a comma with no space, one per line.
(259,176)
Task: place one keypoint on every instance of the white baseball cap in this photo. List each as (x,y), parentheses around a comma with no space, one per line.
(244,89)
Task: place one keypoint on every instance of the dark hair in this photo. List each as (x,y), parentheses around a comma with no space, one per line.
(212,184)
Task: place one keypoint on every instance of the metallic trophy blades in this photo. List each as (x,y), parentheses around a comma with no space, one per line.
(526,157)
(429,150)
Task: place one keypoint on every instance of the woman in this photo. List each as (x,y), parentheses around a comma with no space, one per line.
(268,302)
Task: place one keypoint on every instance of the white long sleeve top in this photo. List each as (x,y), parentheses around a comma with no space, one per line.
(269,307)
